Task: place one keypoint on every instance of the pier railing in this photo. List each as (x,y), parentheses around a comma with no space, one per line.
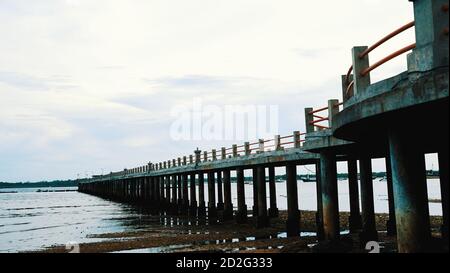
(278,143)
(314,121)
(358,75)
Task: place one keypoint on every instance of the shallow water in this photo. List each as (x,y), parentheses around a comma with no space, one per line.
(31,220)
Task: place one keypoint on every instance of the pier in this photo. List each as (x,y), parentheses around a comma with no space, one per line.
(398,119)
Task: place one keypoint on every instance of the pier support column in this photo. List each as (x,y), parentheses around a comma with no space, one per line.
(185,205)
(319,213)
(354,220)
(162,192)
(410,191)
(262,219)
(369,231)
(158,192)
(444,181)
(255,193)
(168,197)
(273,210)
(212,211)
(179,192)
(201,195)
(228,205)
(193,197)
(133,192)
(144,190)
(391,223)
(241,214)
(141,190)
(293,220)
(330,205)
(174,204)
(220,205)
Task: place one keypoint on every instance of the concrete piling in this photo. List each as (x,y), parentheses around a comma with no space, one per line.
(241,214)
(262,219)
(293,220)
(228,205)
(330,206)
(201,195)
(410,192)
(168,195)
(354,220)
(185,203)
(174,205)
(193,196)
(369,232)
(179,193)
(273,210)
(220,204)
(391,223)
(255,192)
(162,191)
(319,213)
(212,210)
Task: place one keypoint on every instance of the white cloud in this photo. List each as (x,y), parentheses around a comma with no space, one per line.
(96,80)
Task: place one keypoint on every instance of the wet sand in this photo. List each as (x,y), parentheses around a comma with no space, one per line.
(230,237)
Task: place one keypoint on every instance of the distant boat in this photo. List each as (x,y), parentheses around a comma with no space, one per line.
(308,178)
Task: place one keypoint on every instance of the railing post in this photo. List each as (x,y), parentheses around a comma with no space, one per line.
(173,162)
(308,119)
(184,160)
(197,156)
(431,29)
(297,143)
(261,145)
(277,141)
(179,162)
(235,154)
(360,83)
(247,148)
(214,155)
(191,159)
(333,109)
(224,153)
(205,156)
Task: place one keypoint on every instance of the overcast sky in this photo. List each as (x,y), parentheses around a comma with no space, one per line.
(88,86)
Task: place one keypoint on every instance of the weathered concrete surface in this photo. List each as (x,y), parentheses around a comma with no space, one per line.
(330,205)
(324,139)
(410,192)
(405,98)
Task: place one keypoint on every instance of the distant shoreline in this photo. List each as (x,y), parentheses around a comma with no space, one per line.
(53,184)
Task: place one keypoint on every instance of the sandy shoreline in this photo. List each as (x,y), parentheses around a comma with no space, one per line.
(226,237)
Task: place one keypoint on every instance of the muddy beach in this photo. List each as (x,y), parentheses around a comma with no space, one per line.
(184,235)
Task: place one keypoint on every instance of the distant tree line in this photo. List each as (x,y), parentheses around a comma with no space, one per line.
(41,184)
